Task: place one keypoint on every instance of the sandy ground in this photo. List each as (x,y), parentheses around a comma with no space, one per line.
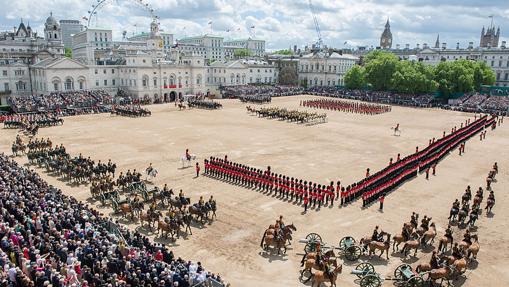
(341,149)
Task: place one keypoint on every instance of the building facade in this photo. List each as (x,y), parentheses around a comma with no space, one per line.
(324,69)
(254,46)
(208,46)
(90,44)
(489,38)
(241,72)
(69,28)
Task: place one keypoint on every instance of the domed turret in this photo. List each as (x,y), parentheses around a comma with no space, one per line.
(51,21)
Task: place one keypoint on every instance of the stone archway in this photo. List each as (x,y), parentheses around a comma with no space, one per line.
(173,96)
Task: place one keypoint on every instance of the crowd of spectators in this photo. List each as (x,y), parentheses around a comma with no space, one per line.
(424,100)
(230,92)
(64,103)
(50,239)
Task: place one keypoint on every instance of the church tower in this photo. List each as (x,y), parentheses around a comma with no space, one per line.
(489,37)
(52,30)
(386,39)
(437,43)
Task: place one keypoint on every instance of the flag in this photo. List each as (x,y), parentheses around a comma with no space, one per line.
(210,22)
(84,18)
(252,27)
(228,30)
(238,29)
(345,43)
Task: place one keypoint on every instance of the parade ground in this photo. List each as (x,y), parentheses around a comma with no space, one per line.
(340,149)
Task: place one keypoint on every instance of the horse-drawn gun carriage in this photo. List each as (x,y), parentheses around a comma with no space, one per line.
(403,275)
(348,247)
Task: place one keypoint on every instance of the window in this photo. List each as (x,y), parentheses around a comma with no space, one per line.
(113,82)
(104,71)
(95,71)
(6,87)
(113,71)
(55,86)
(155,82)
(105,82)
(4,72)
(81,85)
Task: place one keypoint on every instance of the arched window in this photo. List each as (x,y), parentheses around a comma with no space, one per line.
(144,81)
(69,84)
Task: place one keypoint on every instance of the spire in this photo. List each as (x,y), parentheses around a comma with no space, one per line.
(21,20)
(387,25)
(437,43)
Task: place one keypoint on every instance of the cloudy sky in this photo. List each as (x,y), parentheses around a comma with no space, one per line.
(282,22)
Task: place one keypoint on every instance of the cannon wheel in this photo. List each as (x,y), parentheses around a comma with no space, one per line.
(415,281)
(371,281)
(342,242)
(310,247)
(398,273)
(366,268)
(353,253)
(314,237)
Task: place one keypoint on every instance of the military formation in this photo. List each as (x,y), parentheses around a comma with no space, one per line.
(288,115)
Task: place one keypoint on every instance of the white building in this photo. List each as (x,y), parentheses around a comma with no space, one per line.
(324,69)
(90,44)
(14,79)
(208,46)
(241,72)
(255,47)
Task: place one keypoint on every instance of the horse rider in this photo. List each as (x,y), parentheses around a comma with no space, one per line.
(188,155)
(467,196)
(456,252)
(405,233)
(491,196)
(212,201)
(413,219)
(182,198)
(467,238)
(425,222)
(281,223)
(434,262)
(376,235)
(495,167)
(149,169)
(448,233)
(201,202)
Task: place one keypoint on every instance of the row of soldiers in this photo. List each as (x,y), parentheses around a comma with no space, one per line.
(346,106)
(281,185)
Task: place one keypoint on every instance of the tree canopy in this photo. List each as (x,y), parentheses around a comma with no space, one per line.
(240,53)
(383,71)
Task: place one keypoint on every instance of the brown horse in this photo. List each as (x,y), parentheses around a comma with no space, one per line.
(428,237)
(442,274)
(411,244)
(277,242)
(150,217)
(471,249)
(489,205)
(320,277)
(442,245)
(310,263)
(125,209)
(172,228)
(382,246)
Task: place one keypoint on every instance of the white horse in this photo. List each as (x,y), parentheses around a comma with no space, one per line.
(151,173)
(187,161)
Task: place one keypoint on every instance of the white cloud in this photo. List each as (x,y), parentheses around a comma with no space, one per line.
(283,22)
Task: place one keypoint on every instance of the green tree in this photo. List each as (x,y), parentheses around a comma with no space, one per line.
(68,52)
(380,67)
(288,76)
(242,53)
(455,77)
(284,52)
(355,78)
(413,77)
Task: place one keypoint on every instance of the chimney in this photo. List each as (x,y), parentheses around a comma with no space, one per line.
(425,46)
(407,46)
(503,45)
(418,46)
(444,46)
(470,45)
(457,46)
(397,46)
